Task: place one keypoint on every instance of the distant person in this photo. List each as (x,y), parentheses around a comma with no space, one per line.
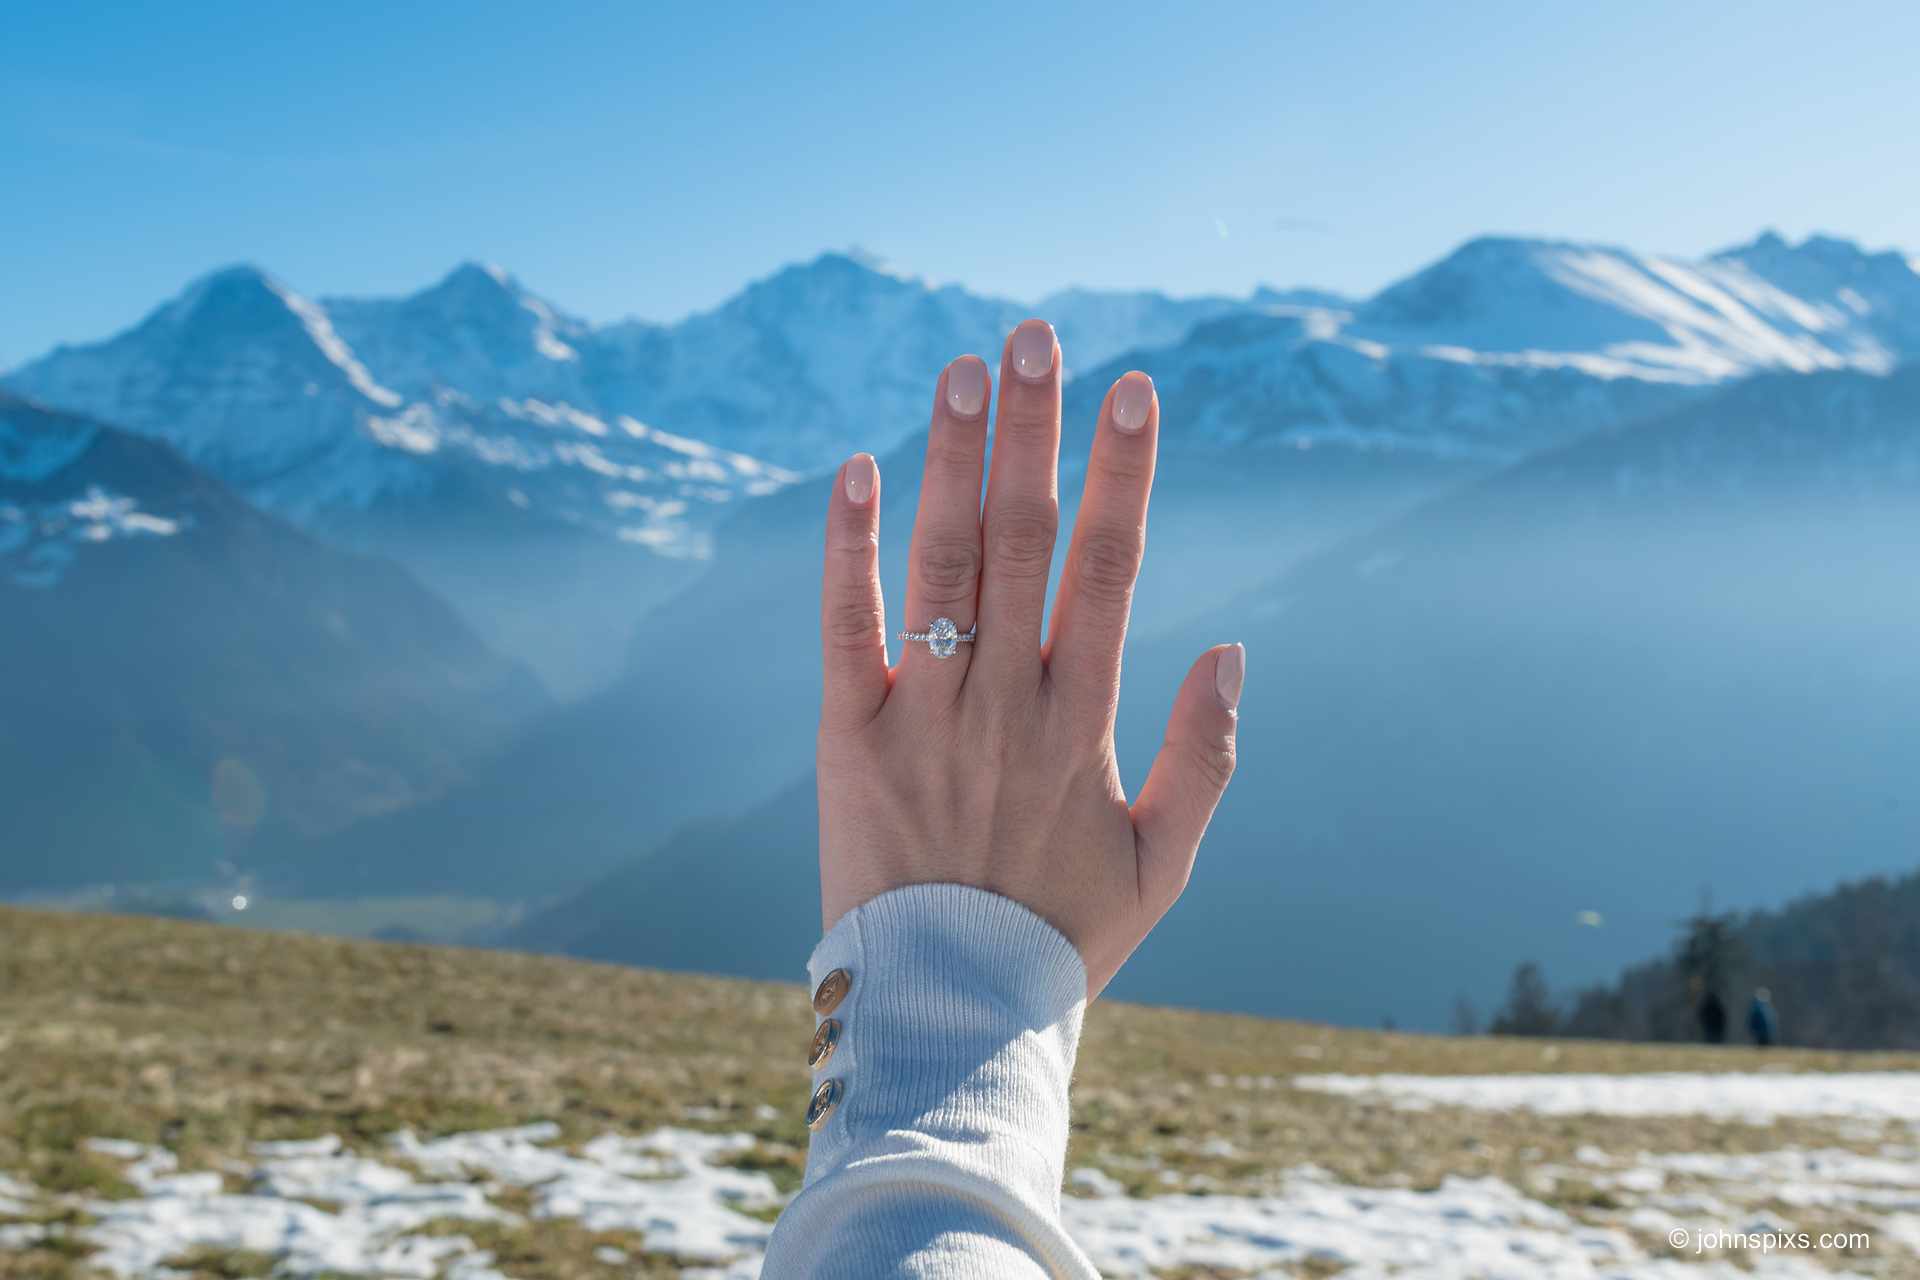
(1761,1021)
(1713,1018)
(982,875)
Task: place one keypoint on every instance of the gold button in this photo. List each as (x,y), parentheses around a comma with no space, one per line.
(825,1099)
(825,1041)
(833,989)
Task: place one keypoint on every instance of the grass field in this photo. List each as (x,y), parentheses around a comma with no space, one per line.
(207,1040)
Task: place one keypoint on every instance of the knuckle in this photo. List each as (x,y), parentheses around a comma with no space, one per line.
(854,625)
(1025,420)
(948,568)
(1122,469)
(958,464)
(1106,562)
(1022,538)
(1212,764)
(852,539)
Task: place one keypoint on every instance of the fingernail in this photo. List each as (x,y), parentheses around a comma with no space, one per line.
(967,386)
(1033,349)
(1132,402)
(861,477)
(1229,673)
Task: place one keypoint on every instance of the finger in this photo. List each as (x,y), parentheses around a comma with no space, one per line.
(943,575)
(853,638)
(1109,537)
(1189,775)
(1023,505)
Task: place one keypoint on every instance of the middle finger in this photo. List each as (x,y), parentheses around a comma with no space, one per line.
(1023,506)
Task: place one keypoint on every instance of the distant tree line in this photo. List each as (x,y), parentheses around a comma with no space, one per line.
(1842,969)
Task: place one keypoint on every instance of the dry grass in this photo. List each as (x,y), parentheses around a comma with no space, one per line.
(206,1038)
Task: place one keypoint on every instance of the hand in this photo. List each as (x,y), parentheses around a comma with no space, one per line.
(995,767)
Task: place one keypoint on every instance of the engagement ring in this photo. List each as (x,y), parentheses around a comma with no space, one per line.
(942,637)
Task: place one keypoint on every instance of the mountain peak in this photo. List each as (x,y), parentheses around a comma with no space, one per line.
(478,288)
(478,310)
(1770,245)
(835,280)
(472,279)
(1491,291)
(853,268)
(1818,251)
(241,306)
(240,285)
(855,260)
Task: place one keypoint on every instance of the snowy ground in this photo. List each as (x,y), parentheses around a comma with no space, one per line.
(1753,1097)
(318,1208)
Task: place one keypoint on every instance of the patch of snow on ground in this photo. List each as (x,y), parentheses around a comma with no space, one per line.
(1752,1097)
(1830,1179)
(662,1185)
(16,1198)
(178,1212)
(666,1187)
(1467,1227)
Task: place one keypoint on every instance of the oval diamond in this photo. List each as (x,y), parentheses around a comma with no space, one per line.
(943,638)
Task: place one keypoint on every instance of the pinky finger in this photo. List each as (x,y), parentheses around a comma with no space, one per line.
(853,641)
(1189,775)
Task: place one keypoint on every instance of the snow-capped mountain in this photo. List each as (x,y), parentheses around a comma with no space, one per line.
(477,332)
(254,381)
(1612,313)
(1507,346)
(803,367)
(182,675)
(544,522)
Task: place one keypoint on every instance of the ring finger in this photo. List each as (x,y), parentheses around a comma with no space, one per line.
(943,566)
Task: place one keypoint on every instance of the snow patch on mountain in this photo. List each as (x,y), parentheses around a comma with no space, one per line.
(320,329)
(40,542)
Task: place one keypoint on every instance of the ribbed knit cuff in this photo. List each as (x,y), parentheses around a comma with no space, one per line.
(958,1037)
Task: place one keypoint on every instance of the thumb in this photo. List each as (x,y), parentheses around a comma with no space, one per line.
(1190,774)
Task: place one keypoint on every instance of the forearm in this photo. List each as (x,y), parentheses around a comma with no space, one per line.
(943,1153)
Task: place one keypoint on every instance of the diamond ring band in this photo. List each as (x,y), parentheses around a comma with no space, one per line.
(942,637)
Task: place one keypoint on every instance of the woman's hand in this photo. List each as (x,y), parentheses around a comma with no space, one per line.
(995,767)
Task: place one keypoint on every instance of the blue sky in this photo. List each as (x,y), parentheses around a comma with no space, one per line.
(624,159)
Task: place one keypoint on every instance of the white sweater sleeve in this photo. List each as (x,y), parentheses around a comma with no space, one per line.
(942,1158)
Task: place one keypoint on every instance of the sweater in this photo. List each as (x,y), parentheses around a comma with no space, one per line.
(942,1152)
